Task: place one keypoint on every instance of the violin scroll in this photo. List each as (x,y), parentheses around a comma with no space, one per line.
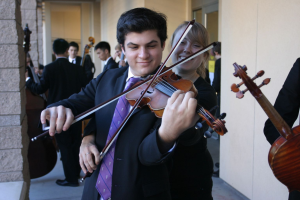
(250,85)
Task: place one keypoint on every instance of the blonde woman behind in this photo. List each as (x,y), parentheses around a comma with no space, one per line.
(192,169)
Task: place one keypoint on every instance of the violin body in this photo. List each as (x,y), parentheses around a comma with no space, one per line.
(284,160)
(156,97)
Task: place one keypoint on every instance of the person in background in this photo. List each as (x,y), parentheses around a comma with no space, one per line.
(73,51)
(39,70)
(118,54)
(191,175)
(63,79)
(102,49)
(287,105)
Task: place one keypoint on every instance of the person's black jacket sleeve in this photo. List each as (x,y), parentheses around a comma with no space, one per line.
(287,103)
(43,86)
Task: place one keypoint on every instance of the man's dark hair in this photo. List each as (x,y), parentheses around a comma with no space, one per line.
(103,45)
(217,48)
(60,46)
(139,20)
(41,66)
(74,44)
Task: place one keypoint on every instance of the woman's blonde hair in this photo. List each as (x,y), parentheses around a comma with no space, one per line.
(199,34)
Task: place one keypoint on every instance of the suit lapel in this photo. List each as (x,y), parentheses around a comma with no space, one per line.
(120,86)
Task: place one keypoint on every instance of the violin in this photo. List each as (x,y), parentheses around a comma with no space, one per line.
(87,50)
(163,87)
(284,153)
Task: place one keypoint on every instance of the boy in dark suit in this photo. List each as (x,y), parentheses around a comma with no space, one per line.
(73,51)
(102,49)
(63,79)
(136,167)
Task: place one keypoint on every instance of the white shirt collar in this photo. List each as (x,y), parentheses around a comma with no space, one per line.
(130,75)
(107,60)
(71,59)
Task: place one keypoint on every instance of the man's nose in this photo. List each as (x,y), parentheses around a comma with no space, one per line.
(144,53)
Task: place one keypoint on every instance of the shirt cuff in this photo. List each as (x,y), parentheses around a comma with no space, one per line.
(27,79)
(172,148)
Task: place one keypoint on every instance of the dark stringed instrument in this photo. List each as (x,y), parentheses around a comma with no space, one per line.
(87,50)
(284,155)
(42,155)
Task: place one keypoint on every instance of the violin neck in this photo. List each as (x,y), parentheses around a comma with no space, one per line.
(282,127)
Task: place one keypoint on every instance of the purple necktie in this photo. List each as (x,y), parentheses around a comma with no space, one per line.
(104,181)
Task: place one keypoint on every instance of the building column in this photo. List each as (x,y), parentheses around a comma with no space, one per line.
(14,171)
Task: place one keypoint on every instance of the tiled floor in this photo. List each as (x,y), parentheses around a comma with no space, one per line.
(45,188)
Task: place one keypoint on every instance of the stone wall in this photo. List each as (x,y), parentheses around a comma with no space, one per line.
(13,125)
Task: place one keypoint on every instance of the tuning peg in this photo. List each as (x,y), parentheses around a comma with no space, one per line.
(265,82)
(208,134)
(240,94)
(235,87)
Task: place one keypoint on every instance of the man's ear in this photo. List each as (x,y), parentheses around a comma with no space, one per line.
(106,51)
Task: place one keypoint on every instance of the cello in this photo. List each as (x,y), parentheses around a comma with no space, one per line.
(85,52)
(284,153)
(42,155)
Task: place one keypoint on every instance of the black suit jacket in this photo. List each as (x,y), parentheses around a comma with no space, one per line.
(111,64)
(217,77)
(140,171)
(61,78)
(287,103)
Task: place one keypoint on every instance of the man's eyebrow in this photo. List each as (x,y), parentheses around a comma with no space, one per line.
(153,41)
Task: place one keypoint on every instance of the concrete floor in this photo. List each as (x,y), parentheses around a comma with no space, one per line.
(45,188)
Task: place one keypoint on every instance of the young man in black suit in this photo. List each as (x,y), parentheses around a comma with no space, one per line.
(63,79)
(73,51)
(140,165)
(102,49)
(287,105)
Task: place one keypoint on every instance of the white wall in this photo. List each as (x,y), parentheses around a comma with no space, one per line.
(264,35)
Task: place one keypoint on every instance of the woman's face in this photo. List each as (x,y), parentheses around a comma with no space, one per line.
(185,49)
